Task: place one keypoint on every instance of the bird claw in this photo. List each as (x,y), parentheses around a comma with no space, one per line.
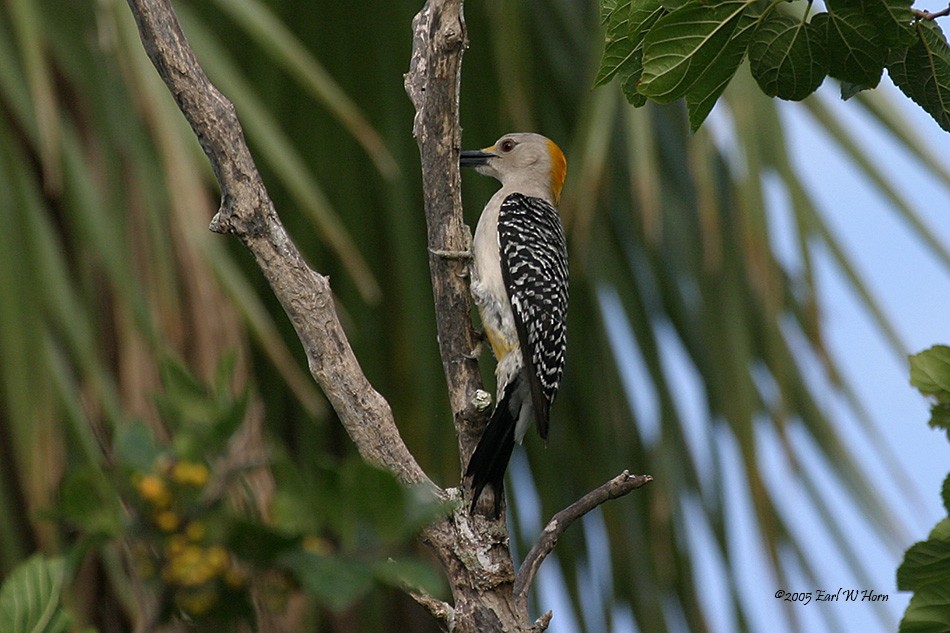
(476,352)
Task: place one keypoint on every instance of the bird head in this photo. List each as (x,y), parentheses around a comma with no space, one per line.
(524,161)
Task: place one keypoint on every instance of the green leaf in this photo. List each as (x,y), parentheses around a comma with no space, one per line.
(83,502)
(930,372)
(926,563)
(941,531)
(940,417)
(380,508)
(335,582)
(178,381)
(607,7)
(618,45)
(30,599)
(135,446)
(926,571)
(409,574)
(928,611)
(202,417)
(854,51)
(922,71)
(945,493)
(627,24)
(786,57)
(893,20)
(630,85)
(684,45)
(706,91)
(257,543)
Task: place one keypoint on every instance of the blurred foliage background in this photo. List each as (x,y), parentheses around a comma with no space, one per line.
(107,268)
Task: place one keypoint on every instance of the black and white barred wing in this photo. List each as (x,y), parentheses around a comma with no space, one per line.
(534,268)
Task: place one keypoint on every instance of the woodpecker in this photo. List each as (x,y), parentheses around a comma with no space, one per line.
(520,286)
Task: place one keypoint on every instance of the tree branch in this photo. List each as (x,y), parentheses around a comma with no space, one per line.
(440,610)
(248,212)
(432,83)
(473,551)
(923,14)
(619,486)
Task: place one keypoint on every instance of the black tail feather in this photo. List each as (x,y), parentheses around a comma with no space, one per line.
(490,459)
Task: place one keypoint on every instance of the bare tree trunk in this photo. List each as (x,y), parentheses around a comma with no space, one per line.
(488,596)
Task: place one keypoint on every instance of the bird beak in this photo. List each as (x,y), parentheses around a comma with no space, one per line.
(474,158)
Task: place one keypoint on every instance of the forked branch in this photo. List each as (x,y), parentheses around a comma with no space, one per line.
(473,552)
(622,484)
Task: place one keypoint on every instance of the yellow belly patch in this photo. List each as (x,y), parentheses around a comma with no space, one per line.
(499,346)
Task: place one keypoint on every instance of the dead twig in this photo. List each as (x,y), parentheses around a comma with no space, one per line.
(619,486)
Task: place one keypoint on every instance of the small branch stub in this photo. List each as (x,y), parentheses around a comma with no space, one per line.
(923,14)
(440,610)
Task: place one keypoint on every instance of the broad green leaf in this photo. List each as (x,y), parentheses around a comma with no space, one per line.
(618,45)
(684,45)
(945,493)
(627,24)
(706,91)
(607,7)
(629,85)
(940,417)
(941,531)
(30,598)
(375,498)
(928,611)
(893,20)
(409,574)
(135,446)
(86,503)
(930,372)
(854,51)
(786,57)
(257,543)
(335,582)
(926,564)
(922,71)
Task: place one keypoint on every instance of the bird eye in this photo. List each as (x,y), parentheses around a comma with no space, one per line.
(507,145)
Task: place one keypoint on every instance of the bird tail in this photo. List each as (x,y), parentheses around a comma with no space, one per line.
(490,459)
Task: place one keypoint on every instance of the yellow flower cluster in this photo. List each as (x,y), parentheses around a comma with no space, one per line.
(153,489)
(188,560)
(190,565)
(190,474)
(156,492)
